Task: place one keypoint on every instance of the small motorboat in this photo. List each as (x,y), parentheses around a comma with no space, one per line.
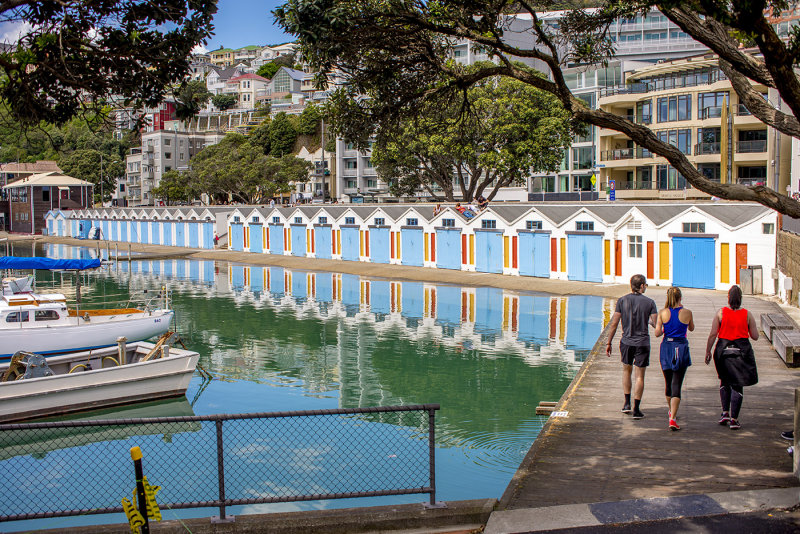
(34,386)
(43,323)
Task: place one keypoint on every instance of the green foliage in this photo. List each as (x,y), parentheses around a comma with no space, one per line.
(174,186)
(260,137)
(239,169)
(282,135)
(268,70)
(93,166)
(86,52)
(191,97)
(309,120)
(223,102)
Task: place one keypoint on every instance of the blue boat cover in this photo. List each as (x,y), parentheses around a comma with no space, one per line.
(13,262)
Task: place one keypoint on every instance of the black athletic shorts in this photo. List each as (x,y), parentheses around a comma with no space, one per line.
(638,356)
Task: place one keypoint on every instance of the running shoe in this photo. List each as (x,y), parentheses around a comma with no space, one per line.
(725,418)
(673,425)
(734,424)
(788,435)
(637,414)
(626,408)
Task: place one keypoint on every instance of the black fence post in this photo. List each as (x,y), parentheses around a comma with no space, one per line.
(432,458)
(221,477)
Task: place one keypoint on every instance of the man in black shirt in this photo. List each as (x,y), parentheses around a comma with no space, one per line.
(636,312)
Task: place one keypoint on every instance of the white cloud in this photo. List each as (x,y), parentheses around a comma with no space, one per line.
(200,49)
(10,32)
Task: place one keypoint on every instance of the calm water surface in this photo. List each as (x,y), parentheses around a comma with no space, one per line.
(276,339)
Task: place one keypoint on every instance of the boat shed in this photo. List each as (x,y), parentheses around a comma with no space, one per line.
(30,199)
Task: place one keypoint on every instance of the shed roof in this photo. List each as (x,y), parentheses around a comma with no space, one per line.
(47,179)
(736,215)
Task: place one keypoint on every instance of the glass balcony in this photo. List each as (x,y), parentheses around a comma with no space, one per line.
(625,153)
(631,185)
(701,149)
(711,113)
(746,147)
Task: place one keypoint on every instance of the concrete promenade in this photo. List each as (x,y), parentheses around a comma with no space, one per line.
(596,454)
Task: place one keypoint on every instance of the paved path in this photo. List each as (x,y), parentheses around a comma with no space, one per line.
(598,454)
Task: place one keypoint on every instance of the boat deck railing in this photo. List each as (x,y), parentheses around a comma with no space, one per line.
(217,461)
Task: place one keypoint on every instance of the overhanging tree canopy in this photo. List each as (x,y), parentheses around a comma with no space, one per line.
(396,53)
(78,54)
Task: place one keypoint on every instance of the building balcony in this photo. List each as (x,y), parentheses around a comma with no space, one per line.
(711,113)
(750,147)
(349,172)
(701,149)
(625,153)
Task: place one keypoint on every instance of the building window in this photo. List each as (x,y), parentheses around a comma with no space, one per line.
(122,187)
(351,184)
(635,246)
(349,220)
(533,225)
(372,183)
(681,138)
(583,157)
(584,226)
(710,170)
(674,108)
(412,221)
(380,221)
(167,155)
(167,142)
(669,178)
(255,220)
(489,223)
(322,220)
(753,175)
(276,220)
(709,105)
(694,228)
(351,164)
(237,219)
(45,194)
(449,223)
(768,228)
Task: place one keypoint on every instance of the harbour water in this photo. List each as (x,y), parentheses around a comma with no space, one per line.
(278,340)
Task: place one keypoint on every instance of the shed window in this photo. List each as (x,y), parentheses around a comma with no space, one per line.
(256,219)
(298,220)
(488,223)
(448,223)
(768,228)
(694,228)
(533,225)
(635,246)
(349,220)
(323,220)
(17,317)
(237,219)
(276,220)
(585,226)
(45,315)
(412,221)
(380,221)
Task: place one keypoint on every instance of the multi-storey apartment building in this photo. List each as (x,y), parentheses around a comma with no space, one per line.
(690,104)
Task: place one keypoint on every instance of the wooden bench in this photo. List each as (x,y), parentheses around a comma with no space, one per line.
(770,322)
(787,345)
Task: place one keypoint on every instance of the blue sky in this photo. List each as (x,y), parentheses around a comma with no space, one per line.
(240,23)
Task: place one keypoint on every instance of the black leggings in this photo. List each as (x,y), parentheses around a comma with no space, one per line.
(731,397)
(674,380)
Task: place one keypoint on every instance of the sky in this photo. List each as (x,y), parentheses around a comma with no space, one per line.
(241,23)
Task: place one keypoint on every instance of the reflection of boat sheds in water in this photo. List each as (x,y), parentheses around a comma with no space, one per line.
(43,323)
(34,387)
(40,441)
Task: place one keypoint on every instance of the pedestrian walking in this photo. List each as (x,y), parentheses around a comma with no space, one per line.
(733,355)
(635,312)
(673,322)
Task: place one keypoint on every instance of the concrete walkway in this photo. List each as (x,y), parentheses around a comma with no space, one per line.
(596,454)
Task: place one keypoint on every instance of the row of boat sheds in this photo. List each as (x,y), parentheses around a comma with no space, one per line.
(703,244)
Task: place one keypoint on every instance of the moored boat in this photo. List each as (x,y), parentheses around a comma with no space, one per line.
(44,324)
(34,386)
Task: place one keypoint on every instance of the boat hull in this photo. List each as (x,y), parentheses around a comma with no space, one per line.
(111,386)
(59,339)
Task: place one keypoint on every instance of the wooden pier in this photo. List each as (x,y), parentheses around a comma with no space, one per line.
(598,454)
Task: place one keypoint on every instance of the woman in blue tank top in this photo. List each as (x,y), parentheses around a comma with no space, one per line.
(673,322)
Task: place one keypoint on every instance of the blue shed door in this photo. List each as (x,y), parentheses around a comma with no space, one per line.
(180,234)
(194,231)
(448,249)
(299,246)
(350,245)
(237,237)
(155,233)
(104,228)
(489,252)
(322,241)
(585,257)
(412,246)
(379,245)
(276,239)
(534,254)
(256,238)
(60,228)
(143,232)
(693,262)
(166,232)
(208,235)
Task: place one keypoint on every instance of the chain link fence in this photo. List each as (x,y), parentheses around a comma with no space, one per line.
(59,469)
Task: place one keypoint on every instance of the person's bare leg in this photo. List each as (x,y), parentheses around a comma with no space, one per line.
(626,378)
(639,388)
(676,402)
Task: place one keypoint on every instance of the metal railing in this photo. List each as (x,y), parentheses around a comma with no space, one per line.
(625,153)
(745,147)
(706,148)
(217,461)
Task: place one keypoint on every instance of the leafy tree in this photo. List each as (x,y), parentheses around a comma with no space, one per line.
(309,120)
(223,101)
(268,70)
(175,186)
(76,55)
(512,129)
(191,97)
(396,54)
(95,167)
(261,137)
(282,135)
(235,168)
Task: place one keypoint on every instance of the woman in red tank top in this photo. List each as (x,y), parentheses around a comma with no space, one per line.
(733,355)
